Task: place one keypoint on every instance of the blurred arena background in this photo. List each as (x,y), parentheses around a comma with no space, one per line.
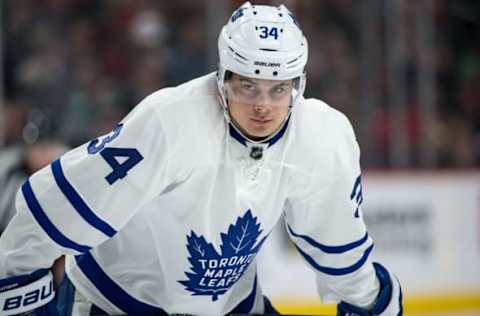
(406,73)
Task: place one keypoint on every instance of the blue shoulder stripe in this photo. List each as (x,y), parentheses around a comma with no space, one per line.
(337,271)
(45,222)
(111,290)
(330,249)
(77,202)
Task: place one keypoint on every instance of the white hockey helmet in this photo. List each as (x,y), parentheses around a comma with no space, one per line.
(263,42)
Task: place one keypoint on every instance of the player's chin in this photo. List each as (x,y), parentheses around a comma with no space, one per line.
(260,131)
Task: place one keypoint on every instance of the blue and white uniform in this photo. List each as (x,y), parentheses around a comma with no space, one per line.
(168,211)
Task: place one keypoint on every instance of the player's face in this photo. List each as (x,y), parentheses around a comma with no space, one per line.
(258,107)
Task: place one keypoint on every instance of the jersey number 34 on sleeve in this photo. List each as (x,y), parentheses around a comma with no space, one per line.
(121,166)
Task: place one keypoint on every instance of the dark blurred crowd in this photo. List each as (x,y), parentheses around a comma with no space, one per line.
(73,68)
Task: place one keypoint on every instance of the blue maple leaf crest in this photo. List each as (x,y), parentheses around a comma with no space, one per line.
(213,273)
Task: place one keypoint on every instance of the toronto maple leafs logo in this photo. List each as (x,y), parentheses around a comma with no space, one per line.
(214,273)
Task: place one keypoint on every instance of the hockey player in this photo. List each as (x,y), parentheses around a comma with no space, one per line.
(167,212)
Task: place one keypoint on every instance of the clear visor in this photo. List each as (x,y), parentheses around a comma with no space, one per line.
(251,91)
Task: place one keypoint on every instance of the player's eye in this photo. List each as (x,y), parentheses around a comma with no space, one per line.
(247,86)
(278,90)
(248,89)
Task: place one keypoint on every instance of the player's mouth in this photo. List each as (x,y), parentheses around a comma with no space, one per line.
(260,121)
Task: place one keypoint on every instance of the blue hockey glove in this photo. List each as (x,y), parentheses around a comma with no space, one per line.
(389,299)
(30,294)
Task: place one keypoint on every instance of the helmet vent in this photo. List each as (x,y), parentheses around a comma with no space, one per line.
(268,49)
(238,55)
(240,61)
(291,61)
(292,66)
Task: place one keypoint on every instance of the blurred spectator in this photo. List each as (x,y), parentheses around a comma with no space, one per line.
(149,74)
(16,163)
(147,27)
(453,142)
(190,57)
(15,117)
(91,108)
(469,94)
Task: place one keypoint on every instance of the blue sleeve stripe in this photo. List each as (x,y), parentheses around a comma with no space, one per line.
(111,290)
(355,185)
(330,249)
(384,297)
(400,299)
(337,271)
(24,279)
(77,202)
(246,305)
(45,223)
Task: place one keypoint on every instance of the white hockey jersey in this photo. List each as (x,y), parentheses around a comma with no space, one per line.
(168,211)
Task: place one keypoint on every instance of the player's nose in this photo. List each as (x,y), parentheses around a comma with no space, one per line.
(262,108)
(262,104)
